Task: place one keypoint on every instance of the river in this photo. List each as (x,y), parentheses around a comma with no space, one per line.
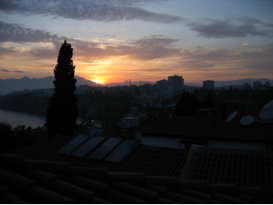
(21,118)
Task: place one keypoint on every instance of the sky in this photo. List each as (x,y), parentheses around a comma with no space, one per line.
(142,40)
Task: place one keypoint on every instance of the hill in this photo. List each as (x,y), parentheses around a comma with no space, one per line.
(11,85)
(241,81)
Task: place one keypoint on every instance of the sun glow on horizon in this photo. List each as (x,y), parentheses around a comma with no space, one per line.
(98,81)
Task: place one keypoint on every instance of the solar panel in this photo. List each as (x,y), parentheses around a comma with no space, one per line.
(122,150)
(88,146)
(73,144)
(105,148)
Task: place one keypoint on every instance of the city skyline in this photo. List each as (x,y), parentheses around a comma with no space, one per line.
(139,40)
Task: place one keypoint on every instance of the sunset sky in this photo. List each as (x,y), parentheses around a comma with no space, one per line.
(147,40)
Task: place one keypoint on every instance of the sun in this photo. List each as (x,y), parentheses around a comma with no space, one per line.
(98,81)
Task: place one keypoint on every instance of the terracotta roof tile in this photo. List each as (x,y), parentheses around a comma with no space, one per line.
(97,187)
(37,194)
(227,199)
(8,198)
(244,168)
(183,199)
(75,185)
(15,181)
(120,198)
(136,191)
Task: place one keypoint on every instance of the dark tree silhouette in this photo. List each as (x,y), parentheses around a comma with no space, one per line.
(63,110)
(187,105)
(208,104)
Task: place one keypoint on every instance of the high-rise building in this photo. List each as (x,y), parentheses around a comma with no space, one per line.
(257,85)
(208,84)
(177,82)
(246,86)
(162,82)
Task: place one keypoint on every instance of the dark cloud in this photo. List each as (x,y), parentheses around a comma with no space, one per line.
(19,34)
(142,49)
(239,27)
(249,62)
(107,11)
(13,71)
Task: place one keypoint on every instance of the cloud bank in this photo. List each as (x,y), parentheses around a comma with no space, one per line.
(235,28)
(105,11)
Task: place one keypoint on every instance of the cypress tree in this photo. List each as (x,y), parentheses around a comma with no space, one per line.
(63,110)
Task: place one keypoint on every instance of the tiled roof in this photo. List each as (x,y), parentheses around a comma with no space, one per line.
(239,167)
(155,161)
(35,181)
(213,128)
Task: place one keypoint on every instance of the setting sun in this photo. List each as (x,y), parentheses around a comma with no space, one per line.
(98,81)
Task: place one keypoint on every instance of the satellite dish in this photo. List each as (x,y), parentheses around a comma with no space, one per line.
(246,120)
(267,111)
(232,116)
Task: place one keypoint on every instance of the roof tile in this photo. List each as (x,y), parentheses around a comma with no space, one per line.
(194,194)
(158,189)
(227,199)
(166,181)
(42,177)
(8,198)
(136,191)
(37,194)
(11,159)
(77,193)
(160,200)
(15,181)
(224,188)
(45,165)
(183,199)
(97,187)
(192,184)
(120,198)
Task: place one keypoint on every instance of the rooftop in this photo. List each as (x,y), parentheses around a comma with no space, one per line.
(156,161)
(36,181)
(243,168)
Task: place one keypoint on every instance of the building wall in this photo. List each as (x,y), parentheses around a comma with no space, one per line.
(209,84)
(236,145)
(162,142)
(177,82)
(246,86)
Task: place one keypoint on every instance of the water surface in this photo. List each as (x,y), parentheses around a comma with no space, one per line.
(21,118)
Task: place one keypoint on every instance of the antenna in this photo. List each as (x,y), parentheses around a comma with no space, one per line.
(232,116)
(267,112)
(246,120)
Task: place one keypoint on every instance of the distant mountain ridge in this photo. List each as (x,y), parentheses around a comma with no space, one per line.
(12,84)
(241,81)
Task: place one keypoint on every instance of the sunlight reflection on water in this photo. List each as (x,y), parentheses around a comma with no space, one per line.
(21,118)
